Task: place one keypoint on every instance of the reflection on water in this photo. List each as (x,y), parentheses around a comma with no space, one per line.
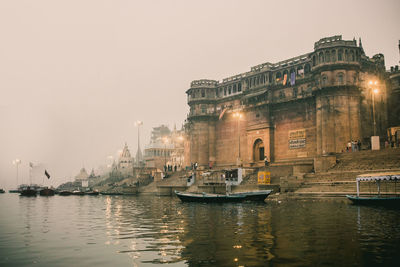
(147,230)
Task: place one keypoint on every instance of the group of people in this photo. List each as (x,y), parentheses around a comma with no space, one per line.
(170,168)
(353,146)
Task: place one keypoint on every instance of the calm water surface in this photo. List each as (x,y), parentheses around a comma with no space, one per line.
(148,230)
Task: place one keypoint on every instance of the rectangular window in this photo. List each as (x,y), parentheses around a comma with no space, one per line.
(203,109)
(295,92)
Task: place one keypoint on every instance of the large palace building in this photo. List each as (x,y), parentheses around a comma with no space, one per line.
(303,109)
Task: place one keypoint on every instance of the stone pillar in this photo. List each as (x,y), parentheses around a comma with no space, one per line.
(211,142)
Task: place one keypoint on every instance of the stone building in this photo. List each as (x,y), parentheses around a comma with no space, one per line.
(166,147)
(125,162)
(394,96)
(302,109)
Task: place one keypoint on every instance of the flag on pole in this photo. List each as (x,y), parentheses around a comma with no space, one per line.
(47,174)
(284,79)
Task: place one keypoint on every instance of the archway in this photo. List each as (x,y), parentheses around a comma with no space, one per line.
(258,150)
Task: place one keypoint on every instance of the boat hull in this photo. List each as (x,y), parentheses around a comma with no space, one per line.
(256,195)
(379,201)
(65,193)
(29,193)
(214,198)
(46,192)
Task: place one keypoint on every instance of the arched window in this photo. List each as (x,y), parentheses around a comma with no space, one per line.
(307,68)
(234,88)
(340,79)
(203,93)
(351,55)
(225,90)
(230,89)
(300,71)
(327,56)
(340,55)
(346,55)
(285,72)
(278,76)
(314,62)
(239,87)
(324,80)
(333,55)
(321,57)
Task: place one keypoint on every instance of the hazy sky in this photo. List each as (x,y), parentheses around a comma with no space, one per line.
(76,74)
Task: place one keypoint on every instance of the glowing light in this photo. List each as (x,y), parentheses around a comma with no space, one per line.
(376,90)
(237,114)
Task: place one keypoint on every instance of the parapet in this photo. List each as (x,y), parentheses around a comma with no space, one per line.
(204,83)
(333,41)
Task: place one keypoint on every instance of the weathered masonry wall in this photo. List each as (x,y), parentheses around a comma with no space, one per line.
(297,110)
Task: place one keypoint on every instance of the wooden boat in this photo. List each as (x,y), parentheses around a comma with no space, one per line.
(29,192)
(78,193)
(379,199)
(2,191)
(219,198)
(65,193)
(92,193)
(46,192)
(255,195)
(14,191)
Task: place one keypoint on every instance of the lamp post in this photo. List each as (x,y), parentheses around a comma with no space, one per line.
(165,141)
(16,162)
(238,115)
(138,124)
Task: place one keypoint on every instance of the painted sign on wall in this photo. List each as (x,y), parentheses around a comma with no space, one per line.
(297,139)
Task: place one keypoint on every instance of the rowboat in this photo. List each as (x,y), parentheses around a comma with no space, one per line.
(379,199)
(220,198)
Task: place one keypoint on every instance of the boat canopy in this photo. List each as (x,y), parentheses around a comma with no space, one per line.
(380,176)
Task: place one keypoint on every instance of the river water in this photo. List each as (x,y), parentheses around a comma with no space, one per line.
(150,230)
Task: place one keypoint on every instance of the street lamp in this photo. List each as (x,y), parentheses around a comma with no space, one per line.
(16,162)
(238,115)
(373,92)
(138,124)
(165,141)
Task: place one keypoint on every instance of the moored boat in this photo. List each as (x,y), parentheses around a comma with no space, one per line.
(46,192)
(29,192)
(92,193)
(65,193)
(2,191)
(14,191)
(78,193)
(220,198)
(379,199)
